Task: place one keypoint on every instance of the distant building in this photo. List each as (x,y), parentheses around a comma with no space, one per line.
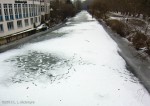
(21,15)
(45,9)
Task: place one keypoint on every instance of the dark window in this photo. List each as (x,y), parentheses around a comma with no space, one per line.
(19,23)
(16,11)
(1,28)
(26,22)
(10,25)
(6,12)
(1,15)
(31,21)
(20,11)
(36,20)
(11,11)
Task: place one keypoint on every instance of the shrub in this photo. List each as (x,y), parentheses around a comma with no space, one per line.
(139,40)
(119,27)
(148,52)
(136,22)
(148,45)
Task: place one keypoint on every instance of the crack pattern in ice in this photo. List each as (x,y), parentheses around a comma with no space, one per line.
(33,65)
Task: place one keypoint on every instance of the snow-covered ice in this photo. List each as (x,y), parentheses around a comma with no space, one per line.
(80,68)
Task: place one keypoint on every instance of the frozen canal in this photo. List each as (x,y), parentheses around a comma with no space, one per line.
(81,67)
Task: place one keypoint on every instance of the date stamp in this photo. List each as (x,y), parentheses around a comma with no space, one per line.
(16,102)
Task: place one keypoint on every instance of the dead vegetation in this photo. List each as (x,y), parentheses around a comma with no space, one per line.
(136,22)
(119,27)
(129,19)
(138,39)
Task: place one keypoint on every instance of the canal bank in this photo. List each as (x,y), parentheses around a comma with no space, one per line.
(21,41)
(139,67)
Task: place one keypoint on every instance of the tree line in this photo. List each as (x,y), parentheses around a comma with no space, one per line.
(126,7)
(62,9)
(138,37)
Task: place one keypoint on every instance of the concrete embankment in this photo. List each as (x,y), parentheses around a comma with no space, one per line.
(140,68)
(19,42)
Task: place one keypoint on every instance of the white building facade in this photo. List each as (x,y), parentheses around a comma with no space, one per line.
(21,15)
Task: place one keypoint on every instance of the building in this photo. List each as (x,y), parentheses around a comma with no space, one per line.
(21,15)
(45,10)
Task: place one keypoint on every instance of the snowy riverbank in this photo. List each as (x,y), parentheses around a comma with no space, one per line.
(138,66)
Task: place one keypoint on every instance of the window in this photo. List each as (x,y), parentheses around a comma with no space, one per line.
(31,19)
(39,10)
(26,22)
(46,9)
(19,23)
(20,11)
(11,11)
(1,15)
(39,19)
(1,28)
(6,12)
(36,20)
(30,10)
(16,11)
(24,10)
(36,10)
(42,9)
(10,25)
